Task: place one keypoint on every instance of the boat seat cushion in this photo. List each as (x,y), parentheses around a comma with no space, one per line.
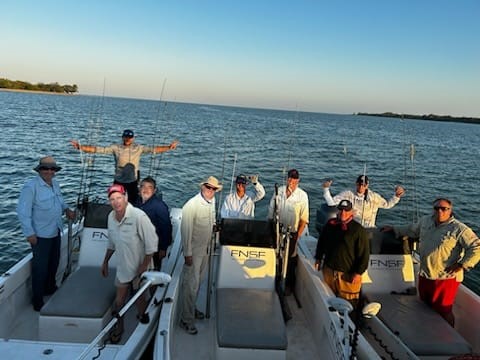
(85,294)
(250,318)
(423,330)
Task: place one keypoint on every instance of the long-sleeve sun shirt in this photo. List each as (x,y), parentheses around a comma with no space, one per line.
(198,217)
(443,245)
(242,207)
(291,209)
(40,208)
(364,210)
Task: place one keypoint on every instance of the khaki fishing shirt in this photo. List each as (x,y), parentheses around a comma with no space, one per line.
(443,245)
(131,238)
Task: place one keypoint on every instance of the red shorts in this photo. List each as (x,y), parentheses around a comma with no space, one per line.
(439,294)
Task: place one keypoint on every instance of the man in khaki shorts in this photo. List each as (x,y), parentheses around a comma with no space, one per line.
(344,247)
(132,236)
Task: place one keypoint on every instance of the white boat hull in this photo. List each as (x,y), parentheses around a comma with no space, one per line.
(20,333)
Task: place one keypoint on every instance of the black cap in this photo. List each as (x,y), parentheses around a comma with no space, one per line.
(128,133)
(344,205)
(241,179)
(293,174)
(362,179)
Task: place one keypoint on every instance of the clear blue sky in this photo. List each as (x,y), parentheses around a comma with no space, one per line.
(339,56)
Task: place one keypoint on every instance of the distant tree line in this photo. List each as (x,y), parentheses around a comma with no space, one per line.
(433,117)
(52,87)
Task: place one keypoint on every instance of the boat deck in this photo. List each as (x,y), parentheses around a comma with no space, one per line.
(26,325)
(301,344)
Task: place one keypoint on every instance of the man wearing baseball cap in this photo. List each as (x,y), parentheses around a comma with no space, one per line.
(293,213)
(132,237)
(365,201)
(127,159)
(241,203)
(343,252)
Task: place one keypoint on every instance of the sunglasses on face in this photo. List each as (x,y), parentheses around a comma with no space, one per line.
(442,208)
(210,187)
(48,168)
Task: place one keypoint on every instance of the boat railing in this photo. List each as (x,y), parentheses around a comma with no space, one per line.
(152,278)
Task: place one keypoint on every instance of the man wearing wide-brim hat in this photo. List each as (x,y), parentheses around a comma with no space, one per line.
(198,218)
(40,208)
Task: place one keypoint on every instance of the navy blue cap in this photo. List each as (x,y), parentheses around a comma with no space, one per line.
(128,133)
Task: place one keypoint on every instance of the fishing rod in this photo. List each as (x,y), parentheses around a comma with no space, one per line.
(88,159)
(215,234)
(225,136)
(173,119)
(233,172)
(282,240)
(409,155)
(415,200)
(85,184)
(155,131)
(404,161)
(291,141)
(365,194)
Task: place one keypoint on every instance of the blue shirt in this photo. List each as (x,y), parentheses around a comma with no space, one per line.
(158,212)
(40,208)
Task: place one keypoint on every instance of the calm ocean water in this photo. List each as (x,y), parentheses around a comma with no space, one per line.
(215,139)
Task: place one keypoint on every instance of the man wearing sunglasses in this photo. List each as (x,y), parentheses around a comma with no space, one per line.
(40,208)
(365,201)
(127,159)
(447,248)
(198,219)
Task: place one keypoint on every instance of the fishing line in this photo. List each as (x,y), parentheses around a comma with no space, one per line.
(88,159)
(223,165)
(294,122)
(405,157)
(415,200)
(409,155)
(155,131)
(292,137)
(233,172)
(366,192)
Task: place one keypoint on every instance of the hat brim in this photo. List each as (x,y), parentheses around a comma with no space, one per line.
(217,187)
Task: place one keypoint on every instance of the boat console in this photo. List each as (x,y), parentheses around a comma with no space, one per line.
(249,317)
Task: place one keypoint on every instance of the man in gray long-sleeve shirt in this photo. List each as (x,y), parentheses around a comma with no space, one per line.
(447,248)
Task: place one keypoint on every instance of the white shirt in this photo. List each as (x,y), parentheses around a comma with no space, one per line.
(292,209)
(198,217)
(364,210)
(131,238)
(242,207)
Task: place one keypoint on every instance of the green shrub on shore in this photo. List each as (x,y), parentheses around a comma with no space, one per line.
(23,85)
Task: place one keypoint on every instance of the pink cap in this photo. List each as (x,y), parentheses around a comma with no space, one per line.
(116,188)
